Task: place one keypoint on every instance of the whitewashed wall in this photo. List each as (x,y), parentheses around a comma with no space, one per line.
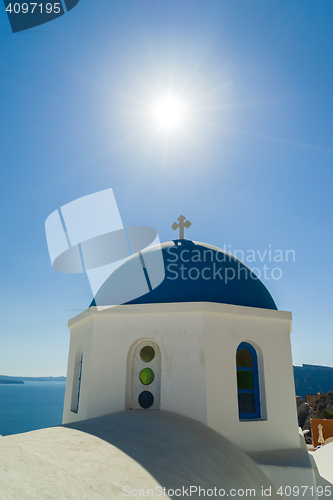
(198,343)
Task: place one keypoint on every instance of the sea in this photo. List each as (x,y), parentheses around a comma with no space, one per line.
(30,406)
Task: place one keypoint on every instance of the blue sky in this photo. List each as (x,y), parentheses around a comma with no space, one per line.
(251,165)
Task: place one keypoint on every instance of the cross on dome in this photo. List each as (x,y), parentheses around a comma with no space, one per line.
(182,224)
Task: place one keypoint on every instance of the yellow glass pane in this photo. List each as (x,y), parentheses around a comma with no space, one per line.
(244,359)
(147,353)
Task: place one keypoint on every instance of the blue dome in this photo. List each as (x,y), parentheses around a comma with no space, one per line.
(195,272)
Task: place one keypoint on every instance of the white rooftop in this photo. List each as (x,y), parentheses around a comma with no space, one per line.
(97,458)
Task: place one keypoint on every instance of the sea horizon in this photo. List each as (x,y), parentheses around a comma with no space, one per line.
(47,378)
(34,405)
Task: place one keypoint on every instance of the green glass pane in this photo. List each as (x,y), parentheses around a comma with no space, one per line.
(244,359)
(147,376)
(245,379)
(147,353)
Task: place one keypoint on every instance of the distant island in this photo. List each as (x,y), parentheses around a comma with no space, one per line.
(5,379)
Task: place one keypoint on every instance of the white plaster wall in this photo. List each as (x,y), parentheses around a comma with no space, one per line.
(284,477)
(270,331)
(198,343)
(178,333)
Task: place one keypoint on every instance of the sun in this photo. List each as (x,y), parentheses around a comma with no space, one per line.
(169,112)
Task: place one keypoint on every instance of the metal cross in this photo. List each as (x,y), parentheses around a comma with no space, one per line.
(182,224)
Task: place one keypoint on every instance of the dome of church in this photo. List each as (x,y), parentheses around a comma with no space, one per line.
(194,272)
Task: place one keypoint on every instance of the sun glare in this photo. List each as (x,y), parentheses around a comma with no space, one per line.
(169,112)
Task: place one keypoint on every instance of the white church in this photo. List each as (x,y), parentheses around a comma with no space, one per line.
(187,390)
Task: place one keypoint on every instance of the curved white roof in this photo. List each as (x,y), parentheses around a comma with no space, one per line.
(139,450)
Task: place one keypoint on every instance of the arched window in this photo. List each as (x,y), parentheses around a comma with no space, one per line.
(247,382)
(146,376)
(77,379)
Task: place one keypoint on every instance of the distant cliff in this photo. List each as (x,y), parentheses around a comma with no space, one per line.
(310,379)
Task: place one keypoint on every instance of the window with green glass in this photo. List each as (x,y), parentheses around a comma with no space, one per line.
(247,382)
